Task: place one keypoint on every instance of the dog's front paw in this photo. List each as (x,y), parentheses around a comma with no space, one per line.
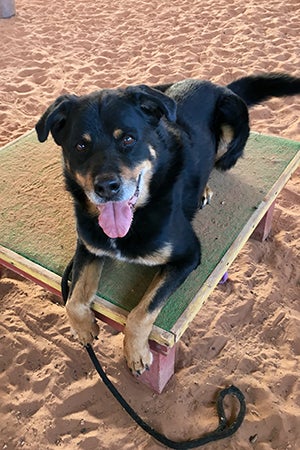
(83,322)
(138,355)
(88,334)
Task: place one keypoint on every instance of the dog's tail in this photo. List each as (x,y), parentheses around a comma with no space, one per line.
(255,89)
(232,117)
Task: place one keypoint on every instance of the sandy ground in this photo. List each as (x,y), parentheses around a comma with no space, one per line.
(248,331)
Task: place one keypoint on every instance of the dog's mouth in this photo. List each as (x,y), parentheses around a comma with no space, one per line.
(115,218)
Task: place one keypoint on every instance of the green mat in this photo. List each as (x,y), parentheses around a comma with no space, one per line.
(36,219)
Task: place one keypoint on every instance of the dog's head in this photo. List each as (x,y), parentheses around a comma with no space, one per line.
(109,141)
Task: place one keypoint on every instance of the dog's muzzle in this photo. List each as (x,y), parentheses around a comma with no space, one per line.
(115,217)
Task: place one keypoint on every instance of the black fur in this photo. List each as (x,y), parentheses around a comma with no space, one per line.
(174,131)
(257,88)
(183,124)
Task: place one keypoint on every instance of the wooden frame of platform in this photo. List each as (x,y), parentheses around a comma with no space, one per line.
(258,179)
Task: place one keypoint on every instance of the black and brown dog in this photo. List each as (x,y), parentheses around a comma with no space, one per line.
(137,161)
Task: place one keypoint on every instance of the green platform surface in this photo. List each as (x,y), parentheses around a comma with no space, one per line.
(36,216)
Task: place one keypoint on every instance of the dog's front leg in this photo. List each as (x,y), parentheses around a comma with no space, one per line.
(141,319)
(85,278)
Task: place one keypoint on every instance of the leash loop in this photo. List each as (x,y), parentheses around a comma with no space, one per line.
(224,429)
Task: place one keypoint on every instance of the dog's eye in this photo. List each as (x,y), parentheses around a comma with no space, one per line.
(128,140)
(81,146)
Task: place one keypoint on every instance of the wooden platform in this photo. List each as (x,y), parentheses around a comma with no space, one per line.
(37,230)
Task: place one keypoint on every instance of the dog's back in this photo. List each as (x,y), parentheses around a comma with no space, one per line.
(205,110)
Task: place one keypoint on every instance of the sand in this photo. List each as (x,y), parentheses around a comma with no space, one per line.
(248,331)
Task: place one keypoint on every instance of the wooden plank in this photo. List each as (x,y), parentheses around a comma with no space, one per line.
(116,314)
(18,139)
(50,281)
(30,270)
(37,222)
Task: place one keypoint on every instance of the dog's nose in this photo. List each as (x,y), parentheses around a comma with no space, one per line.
(107,187)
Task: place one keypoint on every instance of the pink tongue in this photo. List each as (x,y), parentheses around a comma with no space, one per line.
(115,218)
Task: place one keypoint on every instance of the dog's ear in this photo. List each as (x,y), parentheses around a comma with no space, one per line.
(153,101)
(54,118)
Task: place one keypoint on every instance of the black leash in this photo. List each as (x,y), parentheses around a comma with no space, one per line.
(224,429)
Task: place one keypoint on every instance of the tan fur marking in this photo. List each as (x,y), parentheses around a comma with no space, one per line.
(156,258)
(207,196)
(161,256)
(227,133)
(152,152)
(138,328)
(146,169)
(226,138)
(78,309)
(117,134)
(87,137)
(85,181)
(130,174)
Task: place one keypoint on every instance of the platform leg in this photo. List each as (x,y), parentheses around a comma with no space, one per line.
(263,229)
(160,371)
(163,365)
